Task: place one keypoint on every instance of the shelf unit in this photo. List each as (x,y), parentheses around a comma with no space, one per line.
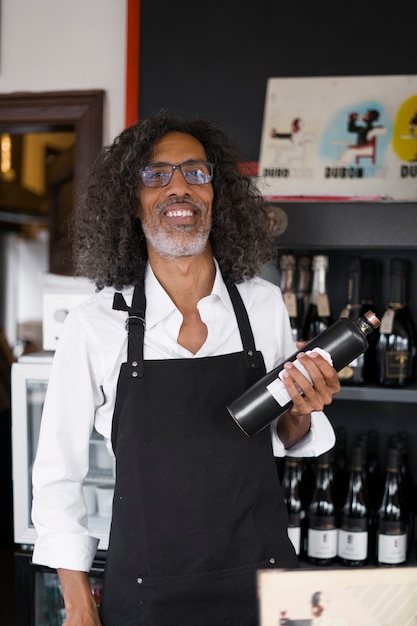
(378,394)
(334,225)
(378,230)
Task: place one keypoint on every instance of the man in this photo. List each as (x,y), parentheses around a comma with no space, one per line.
(169,220)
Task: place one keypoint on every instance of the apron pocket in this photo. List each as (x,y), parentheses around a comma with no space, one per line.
(225,597)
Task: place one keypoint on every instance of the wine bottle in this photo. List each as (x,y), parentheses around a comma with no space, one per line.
(318,315)
(287,267)
(341,475)
(400,442)
(372,466)
(354,522)
(303,290)
(396,348)
(407,477)
(353,372)
(292,488)
(367,301)
(322,517)
(342,342)
(392,517)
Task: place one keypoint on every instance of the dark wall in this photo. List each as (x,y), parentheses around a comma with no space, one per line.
(214,58)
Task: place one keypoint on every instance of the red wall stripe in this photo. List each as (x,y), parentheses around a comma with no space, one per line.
(132,62)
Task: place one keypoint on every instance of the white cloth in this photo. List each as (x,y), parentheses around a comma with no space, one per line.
(82,390)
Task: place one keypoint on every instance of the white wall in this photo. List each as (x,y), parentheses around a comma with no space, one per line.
(57,45)
(54,45)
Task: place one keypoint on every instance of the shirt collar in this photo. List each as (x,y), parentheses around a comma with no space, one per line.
(159,305)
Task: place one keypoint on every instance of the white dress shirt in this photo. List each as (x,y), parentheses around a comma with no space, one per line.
(82,391)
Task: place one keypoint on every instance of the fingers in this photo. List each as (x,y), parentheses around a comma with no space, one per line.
(324,384)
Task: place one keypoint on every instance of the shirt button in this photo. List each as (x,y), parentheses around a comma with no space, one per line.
(134,363)
(139,581)
(134,374)
(272,560)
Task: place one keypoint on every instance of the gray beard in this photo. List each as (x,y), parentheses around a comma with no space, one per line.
(167,245)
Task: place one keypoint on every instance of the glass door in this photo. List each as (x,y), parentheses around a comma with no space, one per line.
(29,383)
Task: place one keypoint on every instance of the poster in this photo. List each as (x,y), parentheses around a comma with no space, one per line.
(361,597)
(353,137)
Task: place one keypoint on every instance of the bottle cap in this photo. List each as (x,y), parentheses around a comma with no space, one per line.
(320,261)
(372,319)
(287,262)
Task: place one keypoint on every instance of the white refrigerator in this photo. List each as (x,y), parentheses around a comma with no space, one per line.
(38,595)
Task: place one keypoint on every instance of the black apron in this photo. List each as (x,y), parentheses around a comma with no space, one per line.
(198,508)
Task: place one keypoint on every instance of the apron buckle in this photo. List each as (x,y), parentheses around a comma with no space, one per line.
(134,319)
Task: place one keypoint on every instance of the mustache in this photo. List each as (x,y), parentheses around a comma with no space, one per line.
(177,200)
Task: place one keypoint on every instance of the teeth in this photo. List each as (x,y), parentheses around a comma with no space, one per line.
(183,213)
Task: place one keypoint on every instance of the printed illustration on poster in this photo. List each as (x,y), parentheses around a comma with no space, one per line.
(341,136)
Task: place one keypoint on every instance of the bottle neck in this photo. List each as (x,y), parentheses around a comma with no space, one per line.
(287,281)
(304,277)
(398,294)
(367,280)
(319,283)
(287,267)
(353,293)
(365,326)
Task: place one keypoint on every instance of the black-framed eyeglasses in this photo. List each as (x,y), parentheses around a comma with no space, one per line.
(160,174)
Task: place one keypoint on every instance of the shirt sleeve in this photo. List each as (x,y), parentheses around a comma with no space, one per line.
(318,440)
(61,465)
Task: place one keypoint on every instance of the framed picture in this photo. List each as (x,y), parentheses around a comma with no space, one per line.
(361,597)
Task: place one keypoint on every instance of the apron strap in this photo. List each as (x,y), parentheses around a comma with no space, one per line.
(135,326)
(253,359)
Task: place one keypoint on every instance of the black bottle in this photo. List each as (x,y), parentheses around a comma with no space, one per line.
(354,372)
(318,314)
(353,536)
(292,489)
(322,517)
(396,348)
(392,517)
(268,398)
(287,266)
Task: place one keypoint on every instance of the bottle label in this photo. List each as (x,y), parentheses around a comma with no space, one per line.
(322,544)
(392,549)
(397,364)
(352,545)
(294,535)
(290,300)
(277,388)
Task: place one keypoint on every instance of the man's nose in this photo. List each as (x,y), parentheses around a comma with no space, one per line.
(177,181)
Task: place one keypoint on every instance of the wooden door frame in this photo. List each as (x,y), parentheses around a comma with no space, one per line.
(49,111)
(78,111)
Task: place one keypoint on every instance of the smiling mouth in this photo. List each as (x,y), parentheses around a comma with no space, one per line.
(179,213)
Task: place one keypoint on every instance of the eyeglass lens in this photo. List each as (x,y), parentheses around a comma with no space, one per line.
(194,172)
